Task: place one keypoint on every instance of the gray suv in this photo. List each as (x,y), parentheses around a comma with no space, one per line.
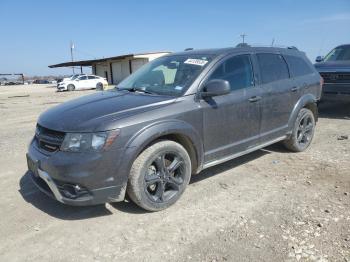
(174,117)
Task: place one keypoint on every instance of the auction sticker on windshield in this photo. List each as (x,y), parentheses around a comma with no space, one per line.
(199,62)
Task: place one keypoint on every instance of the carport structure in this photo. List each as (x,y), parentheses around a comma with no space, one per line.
(19,74)
(115,68)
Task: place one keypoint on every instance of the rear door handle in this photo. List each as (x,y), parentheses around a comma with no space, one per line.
(254,99)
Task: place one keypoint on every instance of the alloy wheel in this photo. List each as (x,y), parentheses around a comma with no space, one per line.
(164,177)
(305,129)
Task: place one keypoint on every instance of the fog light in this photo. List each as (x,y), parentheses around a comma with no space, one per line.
(77,188)
(73,191)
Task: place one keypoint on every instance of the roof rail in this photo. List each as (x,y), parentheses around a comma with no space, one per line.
(277,46)
(188,49)
(243,45)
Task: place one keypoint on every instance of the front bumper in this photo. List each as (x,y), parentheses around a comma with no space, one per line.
(336,88)
(77,179)
(48,186)
(336,91)
(61,88)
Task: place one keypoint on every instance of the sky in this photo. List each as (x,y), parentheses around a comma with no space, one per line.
(35,34)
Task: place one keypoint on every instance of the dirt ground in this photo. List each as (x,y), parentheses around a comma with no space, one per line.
(270,205)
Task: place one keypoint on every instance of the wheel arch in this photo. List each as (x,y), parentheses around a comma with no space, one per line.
(183,140)
(312,106)
(308,101)
(177,131)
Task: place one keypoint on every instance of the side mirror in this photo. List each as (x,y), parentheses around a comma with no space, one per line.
(319,59)
(216,87)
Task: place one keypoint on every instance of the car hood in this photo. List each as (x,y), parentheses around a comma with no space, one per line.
(333,66)
(98,112)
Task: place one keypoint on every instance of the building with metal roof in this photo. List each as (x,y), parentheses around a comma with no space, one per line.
(114,68)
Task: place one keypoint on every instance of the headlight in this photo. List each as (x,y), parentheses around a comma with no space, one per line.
(82,142)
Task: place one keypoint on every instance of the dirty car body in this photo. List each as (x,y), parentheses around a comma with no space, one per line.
(119,125)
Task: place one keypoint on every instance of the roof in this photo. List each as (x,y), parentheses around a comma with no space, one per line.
(344,45)
(101,60)
(227,50)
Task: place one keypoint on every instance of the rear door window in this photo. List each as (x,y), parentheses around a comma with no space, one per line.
(82,78)
(273,67)
(237,71)
(297,66)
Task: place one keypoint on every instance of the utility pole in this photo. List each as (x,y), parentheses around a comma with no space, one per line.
(243,37)
(273,41)
(71,54)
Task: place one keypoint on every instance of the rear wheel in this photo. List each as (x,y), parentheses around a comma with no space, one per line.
(70,87)
(159,176)
(303,131)
(99,86)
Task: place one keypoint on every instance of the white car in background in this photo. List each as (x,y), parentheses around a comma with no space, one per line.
(82,82)
(71,77)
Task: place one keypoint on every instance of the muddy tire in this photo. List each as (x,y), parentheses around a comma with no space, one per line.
(303,131)
(159,176)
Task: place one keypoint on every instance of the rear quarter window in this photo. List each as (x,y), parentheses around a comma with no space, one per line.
(298,66)
(272,67)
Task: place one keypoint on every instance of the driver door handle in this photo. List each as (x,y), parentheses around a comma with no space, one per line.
(254,99)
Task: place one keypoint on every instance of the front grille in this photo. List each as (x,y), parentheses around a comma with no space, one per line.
(336,77)
(47,139)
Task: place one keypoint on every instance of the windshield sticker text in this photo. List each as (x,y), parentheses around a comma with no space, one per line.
(198,62)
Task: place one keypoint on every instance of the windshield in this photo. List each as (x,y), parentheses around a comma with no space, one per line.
(74,77)
(339,54)
(170,75)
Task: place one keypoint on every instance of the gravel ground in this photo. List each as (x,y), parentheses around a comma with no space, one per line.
(270,205)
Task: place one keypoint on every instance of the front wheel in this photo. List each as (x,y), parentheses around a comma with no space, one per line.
(159,176)
(303,131)
(70,87)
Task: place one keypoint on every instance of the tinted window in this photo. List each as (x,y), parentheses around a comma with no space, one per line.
(237,70)
(82,78)
(340,53)
(297,66)
(272,67)
(91,77)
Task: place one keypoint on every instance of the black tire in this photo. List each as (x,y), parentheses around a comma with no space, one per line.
(159,176)
(99,86)
(303,131)
(70,87)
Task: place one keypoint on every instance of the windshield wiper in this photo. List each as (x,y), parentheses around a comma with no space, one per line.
(140,89)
